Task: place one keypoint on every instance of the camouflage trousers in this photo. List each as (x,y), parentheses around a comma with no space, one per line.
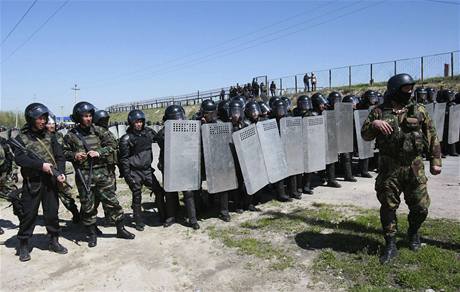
(102,191)
(66,196)
(6,185)
(394,179)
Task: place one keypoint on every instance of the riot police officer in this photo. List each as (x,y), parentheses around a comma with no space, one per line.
(446,96)
(264,110)
(403,131)
(65,193)
(252,112)
(209,115)
(304,109)
(420,95)
(176,112)
(136,158)
(430,95)
(333,98)
(223,110)
(88,146)
(42,167)
(280,111)
(320,104)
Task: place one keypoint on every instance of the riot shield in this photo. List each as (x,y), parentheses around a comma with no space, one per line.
(430,109)
(291,137)
(438,119)
(272,149)
(114,131)
(365,148)
(331,137)
(344,120)
(182,157)
(251,159)
(314,143)
(218,158)
(121,130)
(454,124)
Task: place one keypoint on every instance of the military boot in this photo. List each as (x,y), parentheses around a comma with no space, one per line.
(306,184)
(390,251)
(75,214)
(122,232)
(55,246)
(281,193)
(330,176)
(414,240)
(24,254)
(348,176)
(1,231)
(451,150)
(137,214)
(364,168)
(91,235)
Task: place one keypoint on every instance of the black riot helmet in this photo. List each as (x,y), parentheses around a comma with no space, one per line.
(369,98)
(252,111)
(304,103)
(394,86)
(236,110)
(319,102)
(79,109)
(287,101)
(136,115)
(264,109)
(445,95)
(174,112)
(333,98)
(430,94)
(353,99)
(279,109)
(223,111)
(241,99)
(272,100)
(34,111)
(101,118)
(420,95)
(208,110)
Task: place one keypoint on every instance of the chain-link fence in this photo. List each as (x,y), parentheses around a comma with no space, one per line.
(420,68)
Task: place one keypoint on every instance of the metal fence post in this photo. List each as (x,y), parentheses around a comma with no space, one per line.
(349,76)
(452,64)
(395,68)
(421,69)
(330,79)
(198,95)
(295,79)
(281,86)
(371,81)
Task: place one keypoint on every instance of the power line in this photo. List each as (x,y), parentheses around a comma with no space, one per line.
(36,31)
(19,21)
(220,44)
(238,45)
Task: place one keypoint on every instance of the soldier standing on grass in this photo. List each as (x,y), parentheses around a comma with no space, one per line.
(404,132)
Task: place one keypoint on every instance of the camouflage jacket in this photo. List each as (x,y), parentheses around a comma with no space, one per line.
(6,157)
(44,145)
(413,133)
(97,138)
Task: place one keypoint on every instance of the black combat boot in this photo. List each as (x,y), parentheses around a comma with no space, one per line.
(75,214)
(169,221)
(348,176)
(414,240)
(292,187)
(55,246)
(451,150)
(91,234)
(390,251)
(330,173)
(306,184)
(364,168)
(122,232)
(137,214)
(281,193)
(1,231)
(24,254)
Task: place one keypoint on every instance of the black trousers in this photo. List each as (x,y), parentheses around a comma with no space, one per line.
(35,191)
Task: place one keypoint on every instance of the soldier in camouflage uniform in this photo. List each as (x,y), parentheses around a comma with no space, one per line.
(42,168)
(6,165)
(403,131)
(87,146)
(66,193)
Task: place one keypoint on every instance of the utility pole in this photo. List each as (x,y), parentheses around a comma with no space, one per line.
(75,89)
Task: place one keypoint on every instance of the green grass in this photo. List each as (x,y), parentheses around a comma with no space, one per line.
(347,241)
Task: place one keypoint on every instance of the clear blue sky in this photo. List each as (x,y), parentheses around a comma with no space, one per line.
(119,51)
